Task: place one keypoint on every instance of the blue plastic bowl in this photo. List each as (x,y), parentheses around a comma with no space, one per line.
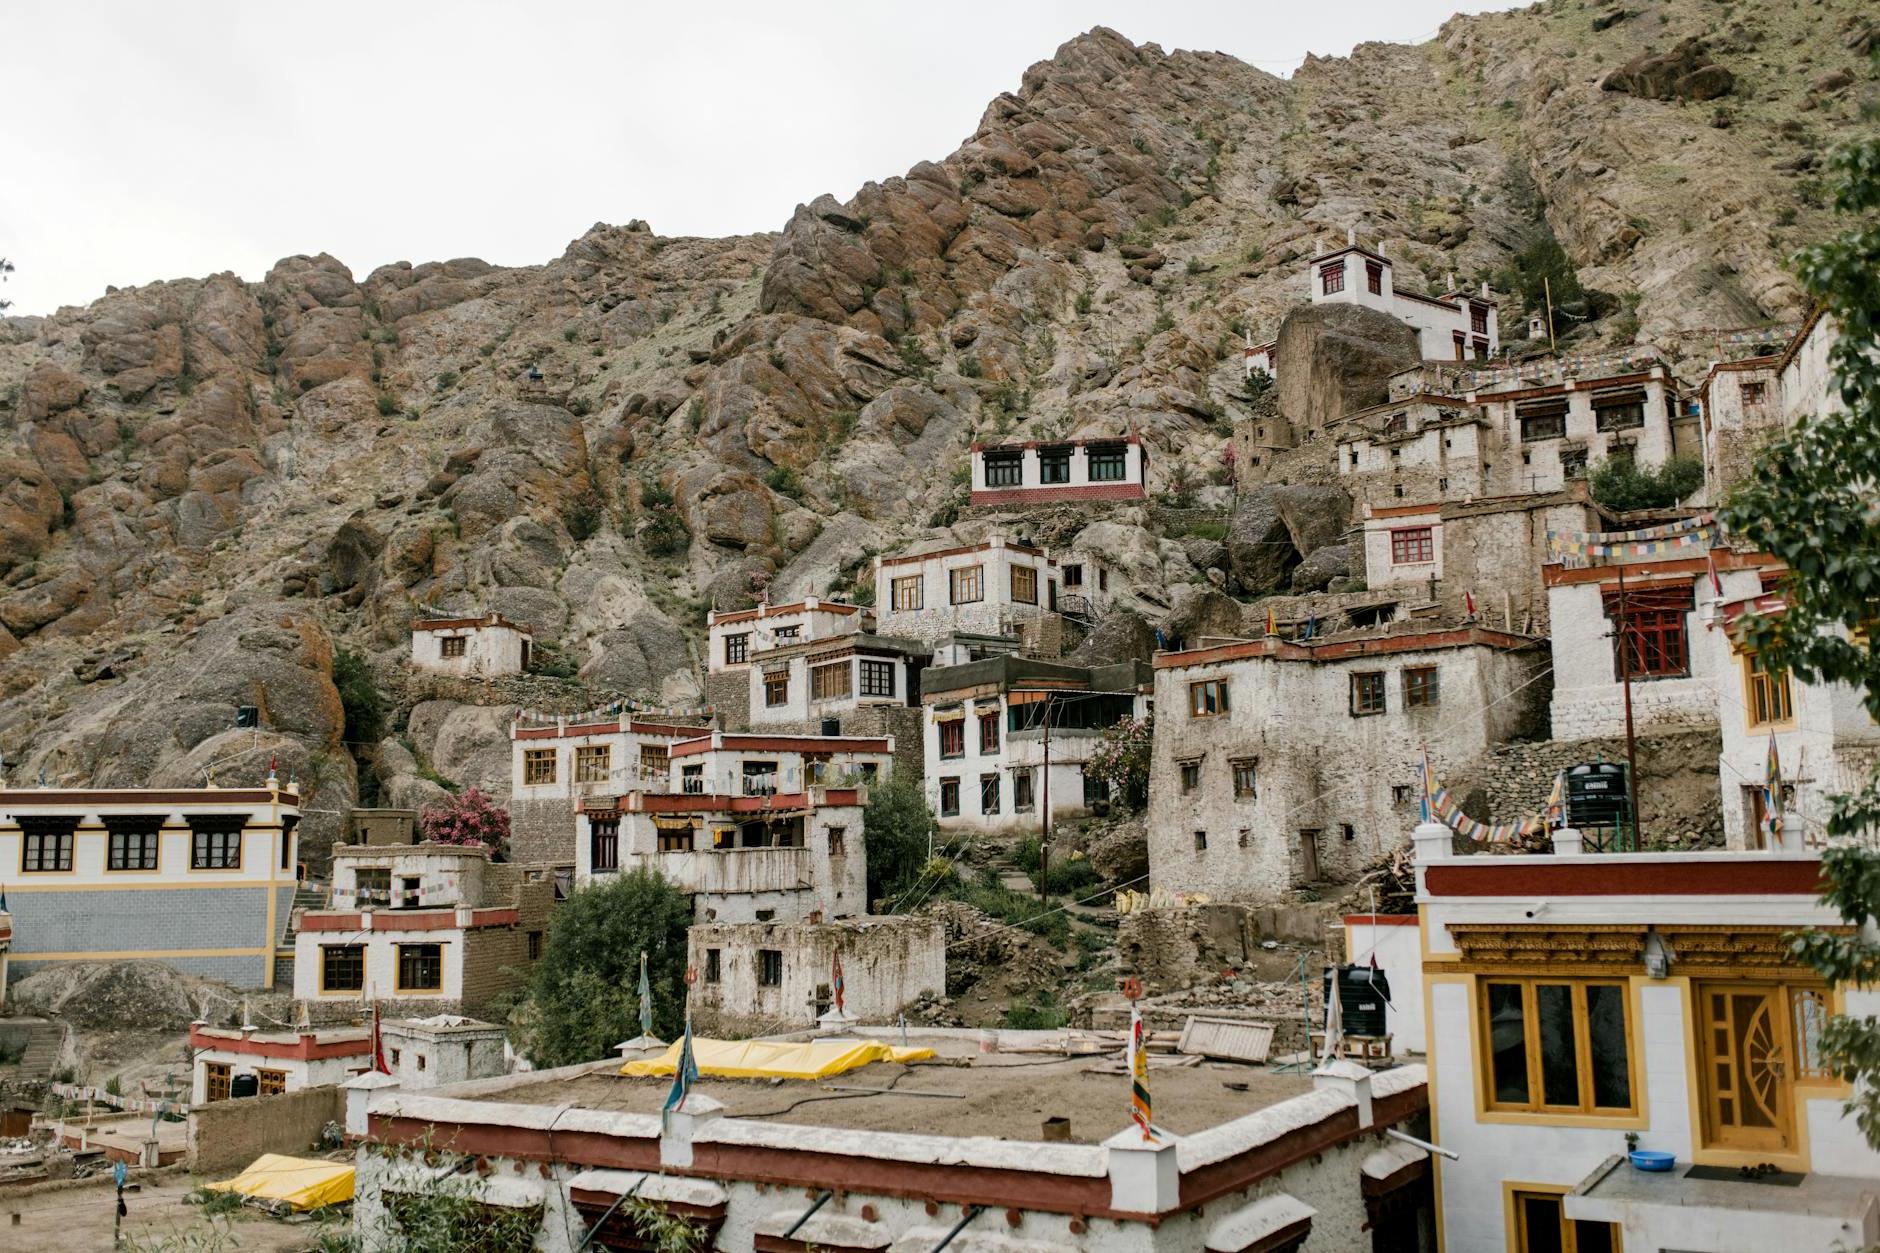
(1652,1159)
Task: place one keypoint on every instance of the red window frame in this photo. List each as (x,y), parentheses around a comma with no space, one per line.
(1478,319)
(1332,278)
(1656,633)
(1412,545)
(1374,277)
(988,733)
(1462,345)
(953,738)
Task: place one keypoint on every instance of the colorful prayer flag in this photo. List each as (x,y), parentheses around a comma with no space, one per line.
(685,1073)
(1772,796)
(1139,1109)
(835,980)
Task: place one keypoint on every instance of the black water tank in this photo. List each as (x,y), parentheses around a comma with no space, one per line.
(832,726)
(1597,796)
(1363,996)
(243,1085)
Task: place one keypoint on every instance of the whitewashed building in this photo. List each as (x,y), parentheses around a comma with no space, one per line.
(735,637)
(989,588)
(1580,1001)
(247,1061)
(422,930)
(199,878)
(765,977)
(779,856)
(554,762)
(986,746)
(478,647)
(1279,764)
(442,1049)
(1046,472)
(729,764)
(1458,325)
(817,682)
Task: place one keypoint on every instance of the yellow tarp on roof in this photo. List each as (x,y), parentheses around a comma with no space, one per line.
(303,1183)
(775,1059)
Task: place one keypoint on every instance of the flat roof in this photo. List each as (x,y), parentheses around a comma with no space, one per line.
(962,1093)
(1363,642)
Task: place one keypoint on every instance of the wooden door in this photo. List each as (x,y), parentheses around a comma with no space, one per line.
(1747,1071)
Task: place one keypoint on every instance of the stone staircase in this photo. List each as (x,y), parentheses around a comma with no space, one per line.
(44,1042)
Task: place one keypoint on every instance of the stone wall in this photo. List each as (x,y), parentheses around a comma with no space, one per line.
(903,722)
(729,694)
(542,831)
(227,1136)
(1178,947)
(496,959)
(887,963)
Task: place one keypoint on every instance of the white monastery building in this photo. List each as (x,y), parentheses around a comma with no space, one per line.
(471,647)
(731,764)
(1042,472)
(819,681)
(769,976)
(735,637)
(246,1061)
(990,588)
(1456,326)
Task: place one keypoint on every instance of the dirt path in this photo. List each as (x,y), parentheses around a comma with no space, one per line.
(79,1219)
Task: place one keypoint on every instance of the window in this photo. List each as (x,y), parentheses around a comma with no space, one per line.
(1208,698)
(953,737)
(1025,585)
(1556,1045)
(1809,1011)
(692,780)
(215,842)
(1095,789)
(451,646)
(1367,693)
(949,798)
(777,688)
(1754,393)
(1054,465)
(1547,420)
(769,967)
(1654,632)
(1332,278)
(676,839)
(713,969)
(1400,794)
(786,635)
(1201,841)
(270,1082)
(988,793)
(989,732)
(1246,779)
(1190,775)
(422,1060)
(1462,342)
(1766,694)
(132,842)
(906,592)
(759,778)
(538,766)
(1412,545)
(877,678)
(1478,319)
(1620,410)
(1005,469)
(831,682)
(1420,688)
(1107,462)
(47,844)
(1374,278)
(593,763)
(1073,575)
(397,1056)
(372,885)
(342,967)
(1542,1226)
(420,968)
(535,946)
(217,1080)
(603,844)
(837,840)
(737,649)
(1573,463)
(655,761)
(965,585)
(1022,792)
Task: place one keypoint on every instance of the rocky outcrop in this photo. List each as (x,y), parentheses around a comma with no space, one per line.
(1686,72)
(1337,358)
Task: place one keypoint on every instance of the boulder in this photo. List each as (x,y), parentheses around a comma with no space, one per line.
(1260,551)
(1321,566)
(1117,637)
(1314,516)
(1336,358)
(639,657)
(1686,72)
(1195,611)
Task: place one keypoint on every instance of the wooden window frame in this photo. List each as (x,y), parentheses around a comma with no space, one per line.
(593,763)
(776,689)
(737,648)
(451,647)
(950,787)
(1024,791)
(677,840)
(1331,278)
(216,1081)
(1369,697)
(907,593)
(533,761)
(1188,776)
(988,733)
(1025,584)
(877,678)
(714,965)
(952,738)
(1541,426)
(991,788)
(1422,687)
(834,680)
(1107,463)
(1413,545)
(215,850)
(327,953)
(1660,644)
(1478,319)
(1754,393)
(1536,1108)
(1374,277)
(398,969)
(1768,699)
(1207,698)
(35,855)
(1246,774)
(966,585)
(769,967)
(1005,469)
(1515,1218)
(270,1082)
(118,847)
(1054,465)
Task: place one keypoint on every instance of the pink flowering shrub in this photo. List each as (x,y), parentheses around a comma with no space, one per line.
(469,818)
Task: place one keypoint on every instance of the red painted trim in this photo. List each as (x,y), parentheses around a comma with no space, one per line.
(1286,650)
(778,611)
(711,802)
(391,920)
(1541,877)
(962,550)
(1057,492)
(656,729)
(306,1048)
(448,624)
(1579,385)
(1556,575)
(28,799)
(1382,920)
(1023,444)
(1801,337)
(781,744)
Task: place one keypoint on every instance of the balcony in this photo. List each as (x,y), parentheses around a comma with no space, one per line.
(1683,1209)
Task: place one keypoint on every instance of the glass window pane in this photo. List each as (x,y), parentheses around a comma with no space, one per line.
(1540,1224)
(1607,1042)
(1594,1238)
(1560,1071)
(1507,1031)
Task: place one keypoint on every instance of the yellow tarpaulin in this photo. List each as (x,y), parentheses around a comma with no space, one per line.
(303,1183)
(775,1059)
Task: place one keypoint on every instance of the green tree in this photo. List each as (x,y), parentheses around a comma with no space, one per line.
(584,994)
(1622,485)
(897,831)
(1813,500)
(359,696)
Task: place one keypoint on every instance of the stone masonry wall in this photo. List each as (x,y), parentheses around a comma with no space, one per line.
(496,959)
(228,1135)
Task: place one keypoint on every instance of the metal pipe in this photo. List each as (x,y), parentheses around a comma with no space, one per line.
(1407,1138)
(821,1201)
(972,1212)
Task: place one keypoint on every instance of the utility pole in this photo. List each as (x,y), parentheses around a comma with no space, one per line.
(1625,680)
(1044,814)
(1547,288)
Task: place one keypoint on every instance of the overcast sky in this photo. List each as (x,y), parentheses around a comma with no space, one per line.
(149,141)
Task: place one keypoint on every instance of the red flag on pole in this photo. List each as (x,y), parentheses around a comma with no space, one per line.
(378,1045)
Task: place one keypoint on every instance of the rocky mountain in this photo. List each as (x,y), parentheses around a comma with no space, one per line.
(210,489)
